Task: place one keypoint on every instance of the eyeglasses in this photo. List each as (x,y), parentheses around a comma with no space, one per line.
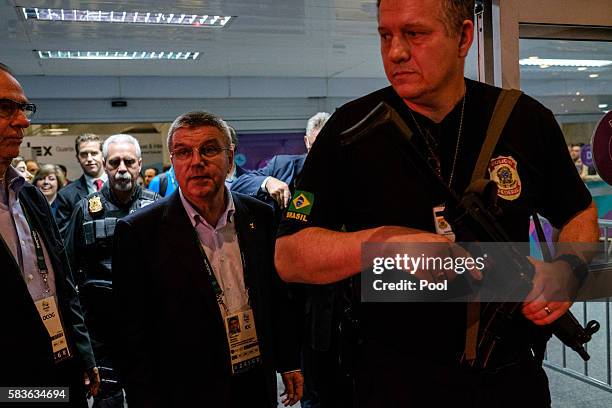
(209,151)
(8,107)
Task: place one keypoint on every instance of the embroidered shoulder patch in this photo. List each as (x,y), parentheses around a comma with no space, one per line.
(300,206)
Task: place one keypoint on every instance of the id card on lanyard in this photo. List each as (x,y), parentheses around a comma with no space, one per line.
(442,226)
(242,341)
(47,306)
(240,328)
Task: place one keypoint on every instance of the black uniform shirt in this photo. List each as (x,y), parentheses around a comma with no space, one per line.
(372,184)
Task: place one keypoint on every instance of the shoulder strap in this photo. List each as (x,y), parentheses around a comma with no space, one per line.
(503,108)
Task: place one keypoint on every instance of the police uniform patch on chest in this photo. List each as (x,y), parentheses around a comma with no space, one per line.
(94,205)
(503,170)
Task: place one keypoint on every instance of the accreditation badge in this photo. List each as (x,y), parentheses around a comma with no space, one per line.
(242,341)
(503,171)
(442,226)
(47,308)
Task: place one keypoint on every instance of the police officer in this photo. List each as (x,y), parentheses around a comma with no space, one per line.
(418,363)
(89,240)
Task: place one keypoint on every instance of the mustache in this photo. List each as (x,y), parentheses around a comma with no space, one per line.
(123,177)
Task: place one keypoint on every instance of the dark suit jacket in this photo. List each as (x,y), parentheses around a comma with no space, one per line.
(282,167)
(67,199)
(27,357)
(169,315)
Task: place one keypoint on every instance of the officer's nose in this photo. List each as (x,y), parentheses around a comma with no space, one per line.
(19,119)
(399,50)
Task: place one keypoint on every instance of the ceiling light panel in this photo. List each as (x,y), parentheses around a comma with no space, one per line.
(564,62)
(120,55)
(126,17)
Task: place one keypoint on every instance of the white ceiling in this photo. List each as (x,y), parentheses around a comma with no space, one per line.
(330,39)
(316,38)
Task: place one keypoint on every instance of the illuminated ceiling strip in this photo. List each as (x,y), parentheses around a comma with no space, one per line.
(124,17)
(119,55)
(549,62)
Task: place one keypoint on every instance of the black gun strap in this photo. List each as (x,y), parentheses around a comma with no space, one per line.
(503,108)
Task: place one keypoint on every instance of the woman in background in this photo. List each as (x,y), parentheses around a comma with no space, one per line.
(49,179)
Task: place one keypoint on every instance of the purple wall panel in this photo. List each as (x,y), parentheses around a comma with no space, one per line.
(258,148)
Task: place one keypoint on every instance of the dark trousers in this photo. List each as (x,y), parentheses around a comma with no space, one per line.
(400,382)
(249,389)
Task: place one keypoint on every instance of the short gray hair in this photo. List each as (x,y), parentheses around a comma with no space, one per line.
(197,119)
(120,138)
(455,12)
(317,122)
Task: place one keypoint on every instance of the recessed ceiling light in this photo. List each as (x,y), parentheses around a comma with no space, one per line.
(565,62)
(534,57)
(581,99)
(577,93)
(56,130)
(120,55)
(594,76)
(602,105)
(126,17)
(582,68)
(544,66)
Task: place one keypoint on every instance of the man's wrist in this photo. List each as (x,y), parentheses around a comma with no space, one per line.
(579,267)
(263,185)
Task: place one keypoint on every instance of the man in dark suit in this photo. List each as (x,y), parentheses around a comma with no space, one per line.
(88,149)
(271,183)
(39,300)
(209,264)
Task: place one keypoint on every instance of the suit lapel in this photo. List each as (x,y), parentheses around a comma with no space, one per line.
(246,229)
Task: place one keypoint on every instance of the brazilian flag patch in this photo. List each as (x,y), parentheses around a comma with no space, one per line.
(301,202)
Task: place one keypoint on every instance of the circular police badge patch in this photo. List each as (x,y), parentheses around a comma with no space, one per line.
(502,170)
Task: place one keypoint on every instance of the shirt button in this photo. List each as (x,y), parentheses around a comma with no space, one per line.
(30,277)
(22,242)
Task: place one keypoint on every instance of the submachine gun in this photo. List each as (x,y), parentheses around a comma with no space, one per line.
(472,219)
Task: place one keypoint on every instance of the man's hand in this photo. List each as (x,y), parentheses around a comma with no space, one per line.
(279,191)
(294,387)
(92,380)
(554,287)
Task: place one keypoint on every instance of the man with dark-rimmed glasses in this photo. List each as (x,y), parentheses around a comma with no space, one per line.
(44,342)
(209,268)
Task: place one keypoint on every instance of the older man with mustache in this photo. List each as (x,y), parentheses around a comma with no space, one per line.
(89,239)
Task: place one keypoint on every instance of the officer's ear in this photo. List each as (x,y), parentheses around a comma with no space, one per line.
(466,38)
